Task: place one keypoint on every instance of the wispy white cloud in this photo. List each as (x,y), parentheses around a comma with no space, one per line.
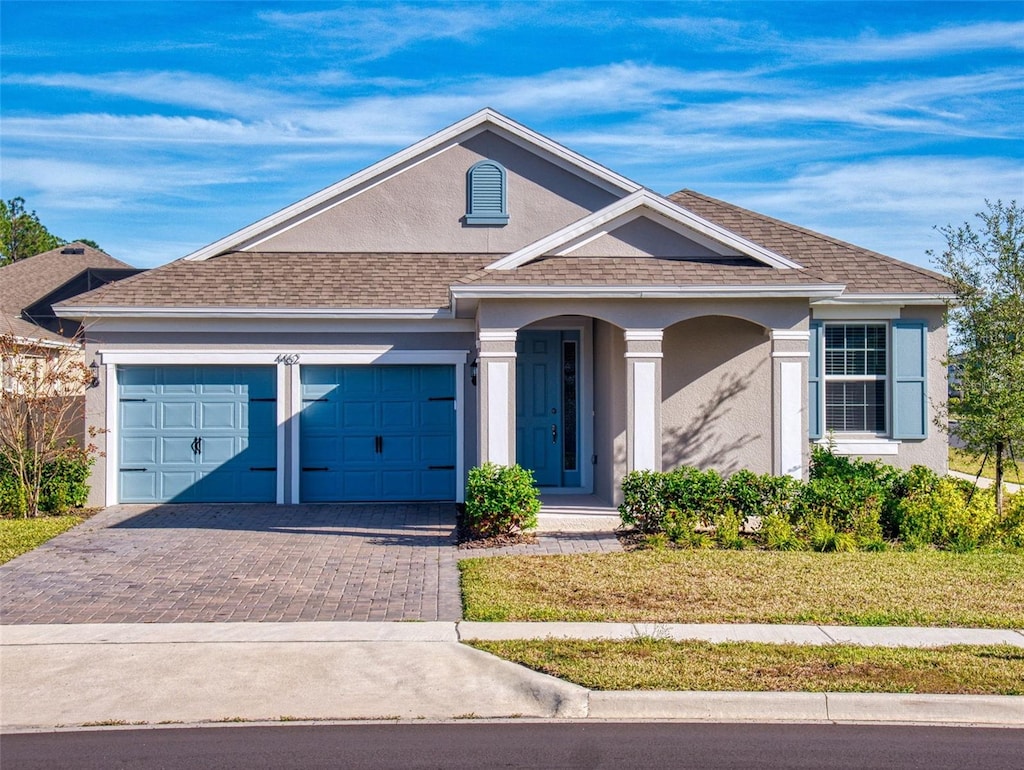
(372,32)
(871,46)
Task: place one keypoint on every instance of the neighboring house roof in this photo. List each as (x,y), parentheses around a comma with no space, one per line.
(862,271)
(26,281)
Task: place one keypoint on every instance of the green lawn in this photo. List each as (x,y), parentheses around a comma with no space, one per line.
(655,664)
(18,536)
(964,462)
(924,588)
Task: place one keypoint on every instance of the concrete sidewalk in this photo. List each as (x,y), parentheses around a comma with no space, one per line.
(116,674)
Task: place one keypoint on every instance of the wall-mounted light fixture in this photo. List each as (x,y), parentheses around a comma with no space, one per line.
(473,368)
(94,370)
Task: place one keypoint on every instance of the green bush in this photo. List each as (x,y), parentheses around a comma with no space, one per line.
(777,533)
(727,529)
(643,501)
(64,485)
(501,500)
(694,493)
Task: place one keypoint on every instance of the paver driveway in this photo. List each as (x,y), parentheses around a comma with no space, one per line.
(196,563)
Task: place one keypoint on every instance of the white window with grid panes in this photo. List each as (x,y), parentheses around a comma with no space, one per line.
(856,377)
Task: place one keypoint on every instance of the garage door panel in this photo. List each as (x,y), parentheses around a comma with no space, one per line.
(355,449)
(398,485)
(398,415)
(358,414)
(140,415)
(357,485)
(235,460)
(139,485)
(178,415)
(436,450)
(139,451)
(398,450)
(437,485)
(383,417)
(177,486)
(437,414)
(214,415)
(176,450)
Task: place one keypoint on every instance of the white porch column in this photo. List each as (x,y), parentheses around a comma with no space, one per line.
(789,402)
(643,399)
(496,390)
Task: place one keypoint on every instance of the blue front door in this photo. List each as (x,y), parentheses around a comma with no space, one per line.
(197,434)
(546,403)
(377,433)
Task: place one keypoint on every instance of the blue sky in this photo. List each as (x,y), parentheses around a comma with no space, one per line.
(156,128)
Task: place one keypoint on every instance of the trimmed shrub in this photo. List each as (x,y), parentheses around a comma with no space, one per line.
(501,500)
(694,493)
(643,501)
(727,529)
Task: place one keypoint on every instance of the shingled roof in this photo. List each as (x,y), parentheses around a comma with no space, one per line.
(24,282)
(391,281)
(293,280)
(862,271)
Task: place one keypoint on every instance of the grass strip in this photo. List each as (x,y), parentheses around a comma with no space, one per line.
(965,462)
(18,536)
(657,664)
(923,588)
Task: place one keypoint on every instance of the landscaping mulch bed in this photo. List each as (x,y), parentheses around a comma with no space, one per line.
(468,540)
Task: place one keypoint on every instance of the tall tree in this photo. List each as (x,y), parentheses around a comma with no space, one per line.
(985,263)
(21,233)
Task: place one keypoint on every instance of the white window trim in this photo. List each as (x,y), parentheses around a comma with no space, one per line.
(887,377)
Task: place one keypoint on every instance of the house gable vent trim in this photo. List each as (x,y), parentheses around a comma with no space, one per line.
(486,196)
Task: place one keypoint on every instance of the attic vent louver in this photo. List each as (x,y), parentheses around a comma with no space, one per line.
(75,250)
(485,194)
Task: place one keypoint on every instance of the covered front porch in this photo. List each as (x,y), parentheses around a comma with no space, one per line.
(583,392)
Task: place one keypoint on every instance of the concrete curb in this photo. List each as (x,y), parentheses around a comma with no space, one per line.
(1002,710)
(868,636)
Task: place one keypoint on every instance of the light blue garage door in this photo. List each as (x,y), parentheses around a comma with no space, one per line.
(377,433)
(197,434)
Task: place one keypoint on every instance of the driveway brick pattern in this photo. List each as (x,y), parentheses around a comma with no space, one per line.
(233,563)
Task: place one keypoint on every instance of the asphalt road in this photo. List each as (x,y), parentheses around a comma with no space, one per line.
(520,745)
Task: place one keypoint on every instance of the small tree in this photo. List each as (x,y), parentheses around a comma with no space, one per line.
(986,269)
(40,402)
(21,233)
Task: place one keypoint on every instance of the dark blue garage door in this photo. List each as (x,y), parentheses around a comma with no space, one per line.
(377,433)
(197,434)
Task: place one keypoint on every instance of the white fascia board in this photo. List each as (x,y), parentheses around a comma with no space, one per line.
(36,342)
(888,299)
(577,231)
(645,292)
(373,355)
(467,127)
(115,311)
(270,325)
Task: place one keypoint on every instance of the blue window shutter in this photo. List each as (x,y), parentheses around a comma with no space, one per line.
(909,379)
(815,383)
(486,198)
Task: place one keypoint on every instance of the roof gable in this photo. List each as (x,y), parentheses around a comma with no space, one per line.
(713,238)
(257,234)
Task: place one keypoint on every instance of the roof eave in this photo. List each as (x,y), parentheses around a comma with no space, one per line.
(889,298)
(113,311)
(817,291)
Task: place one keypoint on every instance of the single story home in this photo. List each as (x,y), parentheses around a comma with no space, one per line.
(488,294)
